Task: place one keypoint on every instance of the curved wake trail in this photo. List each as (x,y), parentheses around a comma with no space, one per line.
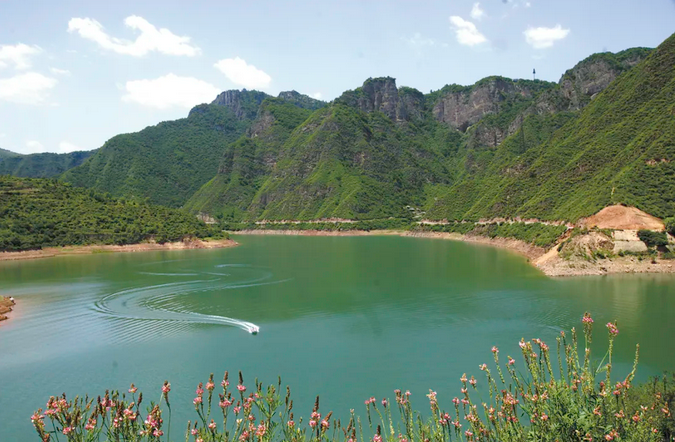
(157,302)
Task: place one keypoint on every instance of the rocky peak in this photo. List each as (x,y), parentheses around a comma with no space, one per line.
(592,75)
(301,100)
(463,106)
(382,95)
(243,103)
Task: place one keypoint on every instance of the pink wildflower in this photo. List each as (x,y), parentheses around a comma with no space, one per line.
(133,389)
(613,330)
(241,388)
(495,350)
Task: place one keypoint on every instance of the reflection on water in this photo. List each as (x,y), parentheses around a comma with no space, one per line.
(346,318)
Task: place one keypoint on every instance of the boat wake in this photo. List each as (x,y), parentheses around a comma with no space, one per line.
(161,302)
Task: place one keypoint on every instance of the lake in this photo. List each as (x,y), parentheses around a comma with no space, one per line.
(343,317)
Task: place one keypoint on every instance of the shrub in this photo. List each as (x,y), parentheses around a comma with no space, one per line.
(652,238)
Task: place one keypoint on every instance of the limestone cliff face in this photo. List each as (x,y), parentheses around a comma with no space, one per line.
(243,103)
(264,121)
(461,107)
(382,95)
(576,88)
(592,75)
(588,78)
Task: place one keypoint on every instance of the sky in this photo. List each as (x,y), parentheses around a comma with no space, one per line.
(75,73)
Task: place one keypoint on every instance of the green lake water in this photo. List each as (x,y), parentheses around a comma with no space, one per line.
(346,318)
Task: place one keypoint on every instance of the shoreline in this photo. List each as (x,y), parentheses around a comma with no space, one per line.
(522,248)
(547,261)
(6,305)
(50,252)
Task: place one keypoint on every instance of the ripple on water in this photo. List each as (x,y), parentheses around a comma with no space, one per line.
(160,304)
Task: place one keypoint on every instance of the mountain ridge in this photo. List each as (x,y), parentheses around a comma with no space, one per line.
(376,151)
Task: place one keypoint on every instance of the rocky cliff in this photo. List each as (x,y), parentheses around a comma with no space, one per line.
(243,103)
(382,95)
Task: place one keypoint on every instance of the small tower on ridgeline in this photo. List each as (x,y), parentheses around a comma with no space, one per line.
(534,74)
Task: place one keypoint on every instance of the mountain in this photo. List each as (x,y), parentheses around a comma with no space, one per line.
(7,154)
(41,165)
(462,152)
(167,163)
(498,148)
(617,150)
(36,213)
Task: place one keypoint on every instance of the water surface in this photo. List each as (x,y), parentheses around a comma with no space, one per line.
(346,318)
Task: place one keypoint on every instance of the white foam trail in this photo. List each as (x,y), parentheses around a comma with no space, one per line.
(168,274)
(137,303)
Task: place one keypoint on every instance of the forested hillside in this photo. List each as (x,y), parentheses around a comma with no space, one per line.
(164,164)
(36,213)
(41,165)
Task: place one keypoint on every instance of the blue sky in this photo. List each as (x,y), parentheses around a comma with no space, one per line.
(75,73)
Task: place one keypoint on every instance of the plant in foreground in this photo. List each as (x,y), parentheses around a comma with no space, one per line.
(576,401)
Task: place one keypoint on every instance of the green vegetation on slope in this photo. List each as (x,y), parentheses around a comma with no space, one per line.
(4,153)
(618,149)
(36,213)
(377,151)
(42,165)
(165,164)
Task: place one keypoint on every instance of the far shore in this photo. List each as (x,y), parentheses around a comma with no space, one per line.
(546,260)
(50,252)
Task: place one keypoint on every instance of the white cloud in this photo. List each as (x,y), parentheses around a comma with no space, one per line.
(150,38)
(17,55)
(58,71)
(540,38)
(33,146)
(466,32)
(28,88)
(170,91)
(418,42)
(66,146)
(243,74)
(477,12)
(317,95)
